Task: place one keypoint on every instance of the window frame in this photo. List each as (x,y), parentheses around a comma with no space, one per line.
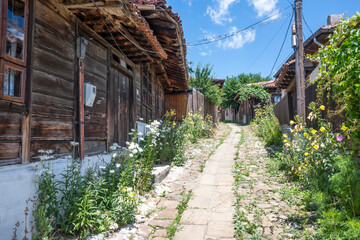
(12,62)
(21,69)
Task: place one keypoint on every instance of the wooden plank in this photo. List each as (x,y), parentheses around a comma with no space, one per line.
(95,130)
(95,67)
(52,84)
(53,64)
(53,21)
(41,127)
(95,146)
(59,146)
(81,111)
(52,101)
(48,39)
(99,82)
(96,51)
(10,150)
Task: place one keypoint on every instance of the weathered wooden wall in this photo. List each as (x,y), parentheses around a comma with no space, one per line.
(54,91)
(96,73)
(193,101)
(53,101)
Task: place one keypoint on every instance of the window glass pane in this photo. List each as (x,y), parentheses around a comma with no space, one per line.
(14,42)
(16,13)
(12,82)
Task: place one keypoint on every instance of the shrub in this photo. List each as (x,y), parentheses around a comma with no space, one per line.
(81,204)
(267,125)
(320,161)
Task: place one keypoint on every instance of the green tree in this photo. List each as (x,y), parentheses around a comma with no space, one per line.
(242,84)
(339,73)
(202,77)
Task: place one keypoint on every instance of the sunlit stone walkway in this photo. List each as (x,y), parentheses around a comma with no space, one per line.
(210,211)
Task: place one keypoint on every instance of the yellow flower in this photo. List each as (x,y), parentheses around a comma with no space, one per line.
(285,140)
(306,154)
(174,123)
(322,107)
(132,195)
(316,147)
(285,136)
(306,134)
(313,131)
(322,129)
(344,128)
(292,122)
(124,189)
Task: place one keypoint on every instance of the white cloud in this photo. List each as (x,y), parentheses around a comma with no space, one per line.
(220,13)
(189,2)
(264,7)
(208,53)
(239,40)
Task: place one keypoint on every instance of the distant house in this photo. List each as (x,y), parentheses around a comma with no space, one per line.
(246,111)
(285,77)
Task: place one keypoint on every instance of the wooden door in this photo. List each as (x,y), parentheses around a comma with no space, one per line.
(120,94)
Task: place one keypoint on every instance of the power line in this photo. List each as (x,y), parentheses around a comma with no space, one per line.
(252,26)
(307,25)
(272,39)
(283,43)
(117,29)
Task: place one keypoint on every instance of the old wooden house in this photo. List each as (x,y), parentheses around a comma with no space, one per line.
(285,110)
(84,71)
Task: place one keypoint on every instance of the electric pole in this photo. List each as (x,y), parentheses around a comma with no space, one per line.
(299,68)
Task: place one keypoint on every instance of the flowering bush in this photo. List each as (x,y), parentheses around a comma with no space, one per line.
(196,127)
(320,160)
(81,204)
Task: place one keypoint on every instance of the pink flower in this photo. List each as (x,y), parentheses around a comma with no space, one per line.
(339,138)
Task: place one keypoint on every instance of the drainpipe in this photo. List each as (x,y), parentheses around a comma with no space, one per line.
(318,43)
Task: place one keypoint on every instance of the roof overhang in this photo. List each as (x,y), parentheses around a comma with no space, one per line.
(167,27)
(122,25)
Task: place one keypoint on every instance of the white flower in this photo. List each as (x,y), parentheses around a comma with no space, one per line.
(141,119)
(112,148)
(112,171)
(141,150)
(133,130)
(141,139)
(131,155)
(102,167)
(140,133)
(135,151)
(114,155)
(74,143)
(127,143)
(111,227)
(41,151)
(116,225)
(118,165)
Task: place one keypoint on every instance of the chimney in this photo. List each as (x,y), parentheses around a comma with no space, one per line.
(334,19)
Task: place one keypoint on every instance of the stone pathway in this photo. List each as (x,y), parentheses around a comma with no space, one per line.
(160,208)
(267,205)
(210,212)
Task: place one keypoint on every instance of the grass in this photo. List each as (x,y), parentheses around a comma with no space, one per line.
(171,230)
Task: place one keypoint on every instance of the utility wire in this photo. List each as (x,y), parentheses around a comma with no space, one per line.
(307,25)
(272,39)
(117,29)
(283,43)
(252,26)
(108,29)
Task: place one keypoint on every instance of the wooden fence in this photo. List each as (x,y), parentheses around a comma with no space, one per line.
(285,110)
(193,101)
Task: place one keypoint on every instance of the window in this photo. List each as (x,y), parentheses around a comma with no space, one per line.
(13,49)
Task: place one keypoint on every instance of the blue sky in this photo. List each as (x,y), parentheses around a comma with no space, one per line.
(247,52)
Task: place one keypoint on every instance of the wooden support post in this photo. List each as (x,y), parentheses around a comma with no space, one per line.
(26,118)
(81,110)
(299,68)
